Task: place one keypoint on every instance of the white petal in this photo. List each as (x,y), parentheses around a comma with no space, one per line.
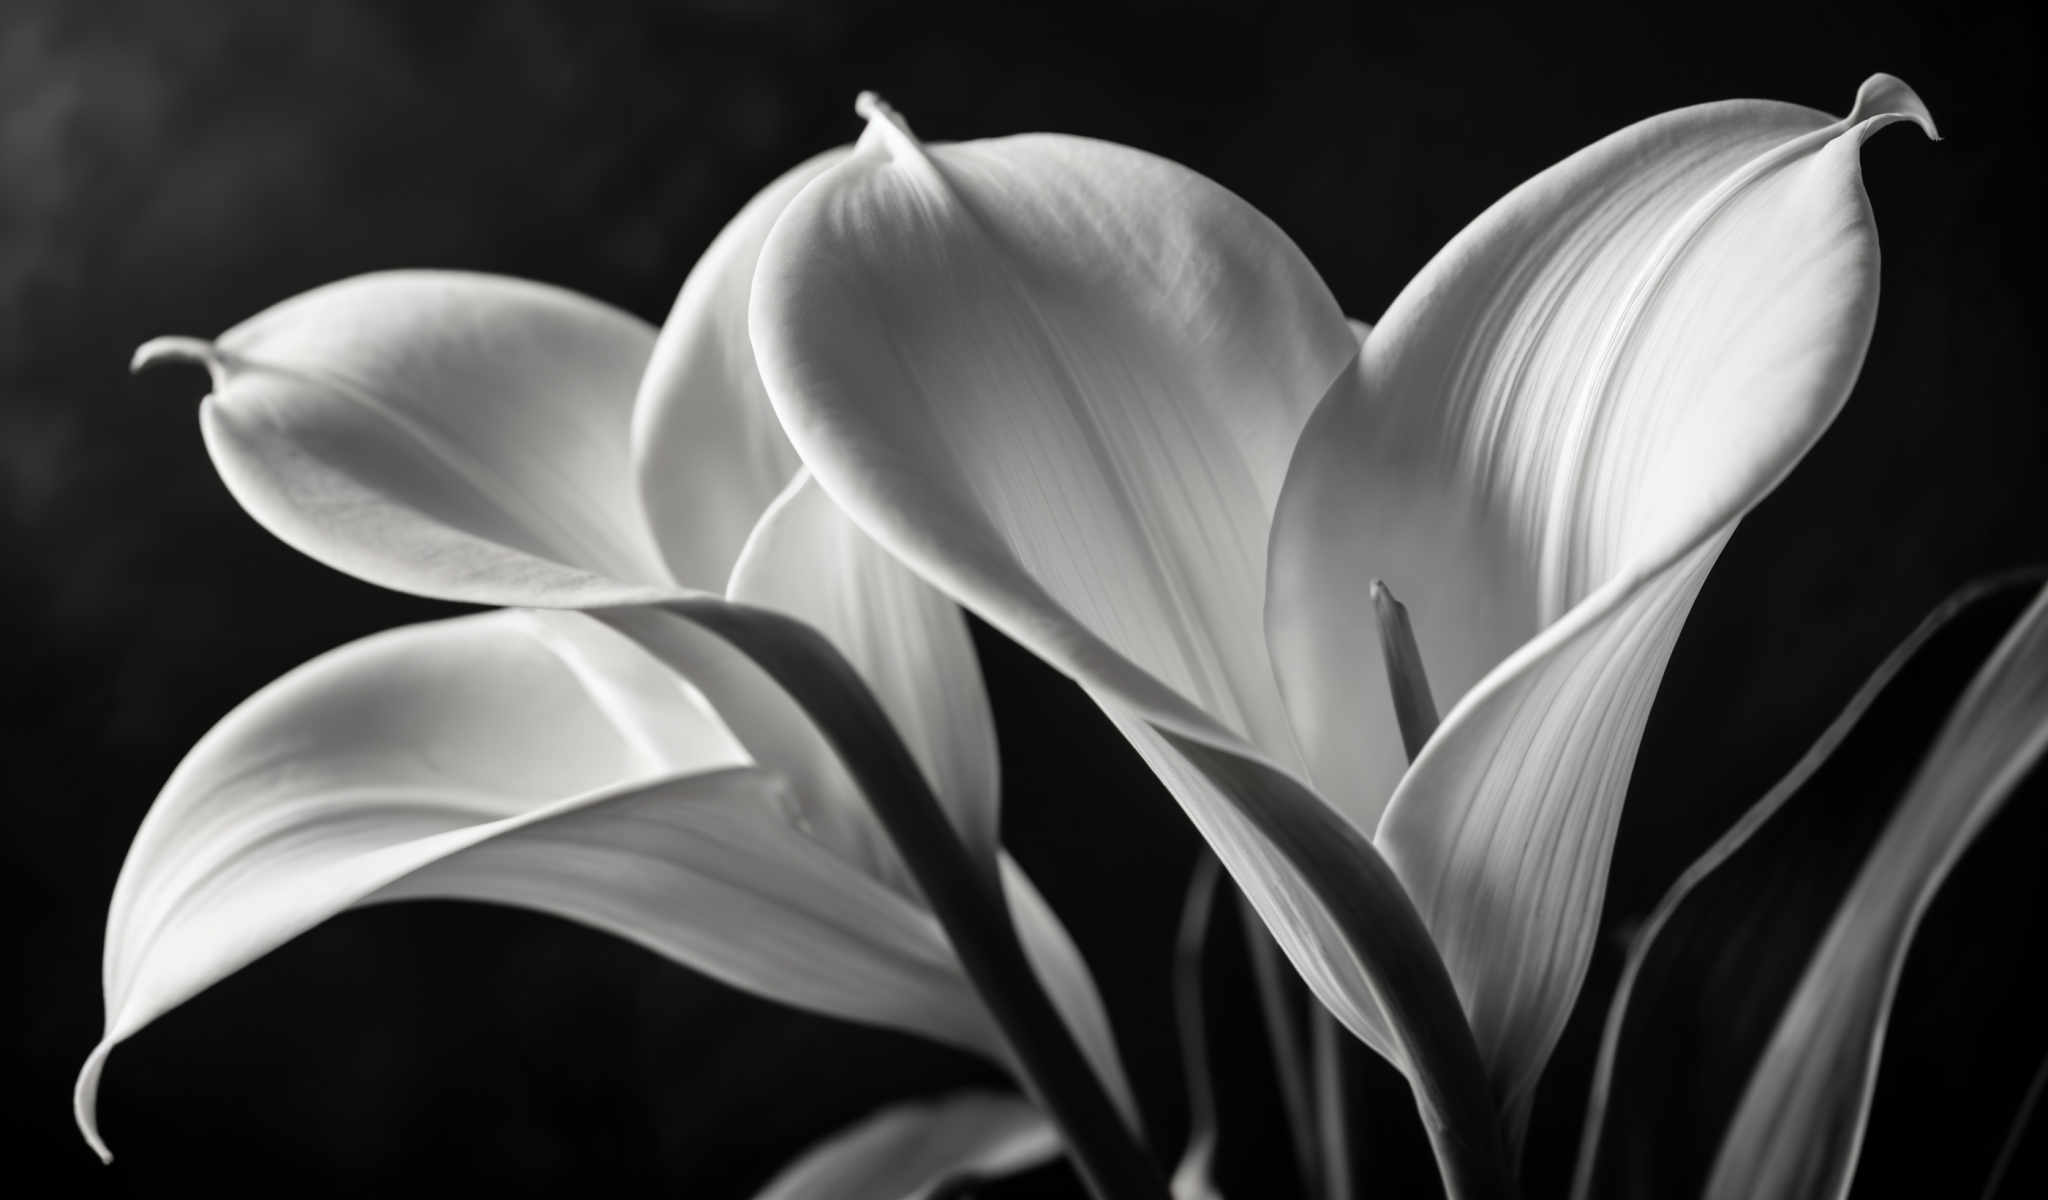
(532,759)
(453,435)
(780,731)
(707,451)
(909,643)
(1552,431)
(1060,379)
(911,1151)
(1799,1128)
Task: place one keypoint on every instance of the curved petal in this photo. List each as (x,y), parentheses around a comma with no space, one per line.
(914,1151)
(780,730)
(708,454)
(1543,446)
(452,435)
(527,758)
(909,643)
(1060,379)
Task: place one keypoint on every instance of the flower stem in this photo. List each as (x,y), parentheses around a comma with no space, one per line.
(963,893)
(1283,1041)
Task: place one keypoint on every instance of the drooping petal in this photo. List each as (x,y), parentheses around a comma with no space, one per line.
(527,758)
(1546,441)
(909,643)
(1714,979)
(914,1151)
(1799,1128)
(781,729)
(707,452)
(453,435)
(1060,379)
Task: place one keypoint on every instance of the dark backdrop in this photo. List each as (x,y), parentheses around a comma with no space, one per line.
(172,169)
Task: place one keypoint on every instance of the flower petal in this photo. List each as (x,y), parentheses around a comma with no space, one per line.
(1060,379)
(781,729)
(707,451)
(909,643)
(914,1151)
(527,758)
(1543,446)
(453,435)
(1730,964)
(1799,1127)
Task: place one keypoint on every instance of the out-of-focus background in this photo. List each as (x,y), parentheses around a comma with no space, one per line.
(175,168)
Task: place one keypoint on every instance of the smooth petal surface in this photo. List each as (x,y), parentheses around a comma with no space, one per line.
(1799,1127)
(526,758)
(1060,379)
(913,1151)
(452,435)
(707,451)
(909,643)
(1543,446)
(781,729)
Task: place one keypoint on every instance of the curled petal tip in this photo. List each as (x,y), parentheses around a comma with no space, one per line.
(1884,99)
(887,126)
(180,350)
(85,1099)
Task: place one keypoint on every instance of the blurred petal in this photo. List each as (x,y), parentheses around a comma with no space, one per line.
(913,1151)
(909,643)
(707,451)
(1545,443)
(447,434)
(1800,1125)
(526,758)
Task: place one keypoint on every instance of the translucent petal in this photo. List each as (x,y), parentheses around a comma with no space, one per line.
(531,759)
(1546,441)
(453,435)
(707,452)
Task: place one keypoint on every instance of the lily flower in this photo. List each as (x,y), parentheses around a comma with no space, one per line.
(1110,408)
(501,442)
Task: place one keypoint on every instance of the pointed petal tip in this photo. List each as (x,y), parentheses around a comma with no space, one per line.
(85,1097)
(1884,99)
(180,350)
(887,126)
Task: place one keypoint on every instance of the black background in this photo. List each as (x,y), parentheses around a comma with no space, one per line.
(173,169)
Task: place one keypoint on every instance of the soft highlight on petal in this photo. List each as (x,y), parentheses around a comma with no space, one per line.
(708,454)
(1544,445)
(525,758)
(909,643)
(448,434)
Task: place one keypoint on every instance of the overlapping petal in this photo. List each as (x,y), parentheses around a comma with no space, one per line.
(909,643)
(1061,379)
(525,758)
(708,455)
(914,1151)
(1544,445)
